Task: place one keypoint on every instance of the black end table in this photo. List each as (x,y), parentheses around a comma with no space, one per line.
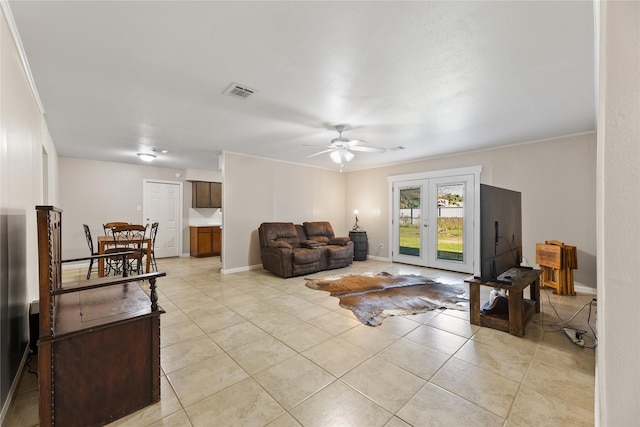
(360,245)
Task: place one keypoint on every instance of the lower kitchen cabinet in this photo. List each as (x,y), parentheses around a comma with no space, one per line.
(205,241)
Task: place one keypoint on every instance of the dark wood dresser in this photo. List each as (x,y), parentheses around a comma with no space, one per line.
(99,345)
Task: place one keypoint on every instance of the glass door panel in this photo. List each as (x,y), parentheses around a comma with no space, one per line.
(433,222)
(451,207)
(409,223)
(450,216)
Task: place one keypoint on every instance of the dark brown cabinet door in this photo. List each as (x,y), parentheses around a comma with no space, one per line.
(216,195)
(206,194)
(201,195)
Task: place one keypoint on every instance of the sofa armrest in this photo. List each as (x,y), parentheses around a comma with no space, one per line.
(342,241)
(310,244)
(278,244)
(277,260)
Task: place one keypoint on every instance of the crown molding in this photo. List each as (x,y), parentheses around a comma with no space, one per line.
(6,9)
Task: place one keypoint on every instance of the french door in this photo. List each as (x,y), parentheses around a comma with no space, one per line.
(433,222)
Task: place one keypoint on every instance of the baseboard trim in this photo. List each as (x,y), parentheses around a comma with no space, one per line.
(241,269)
(14,387)
(584,289)
(75,266)
(378,258)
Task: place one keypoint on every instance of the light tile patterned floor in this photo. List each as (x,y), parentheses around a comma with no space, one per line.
(252,349)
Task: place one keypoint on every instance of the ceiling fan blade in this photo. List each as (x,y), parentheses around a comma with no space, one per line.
(355,142)
(321,152)
(367,149)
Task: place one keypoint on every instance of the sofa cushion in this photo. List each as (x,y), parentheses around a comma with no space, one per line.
(320,231)
(338,252)
(278,232)
(305,256)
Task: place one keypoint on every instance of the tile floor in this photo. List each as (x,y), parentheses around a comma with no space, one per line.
(252,349)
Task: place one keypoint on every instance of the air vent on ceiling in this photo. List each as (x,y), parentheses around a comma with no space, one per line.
(239,91)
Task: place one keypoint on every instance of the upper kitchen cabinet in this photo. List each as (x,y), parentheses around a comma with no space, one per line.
(206,194)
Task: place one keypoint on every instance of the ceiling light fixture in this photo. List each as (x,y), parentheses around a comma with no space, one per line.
(340,155)
(146,157)
(341,149)
(335,156)
(348,155)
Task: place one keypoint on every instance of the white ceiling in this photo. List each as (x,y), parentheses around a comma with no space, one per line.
(117,78)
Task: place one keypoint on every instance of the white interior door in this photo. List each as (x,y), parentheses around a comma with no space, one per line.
(162,204)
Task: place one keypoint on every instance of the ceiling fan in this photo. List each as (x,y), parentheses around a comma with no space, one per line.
(340,149)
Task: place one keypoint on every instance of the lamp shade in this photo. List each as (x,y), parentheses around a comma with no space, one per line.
(348,155)
(335,156)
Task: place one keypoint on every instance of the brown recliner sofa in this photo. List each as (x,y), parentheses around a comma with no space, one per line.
(289,249)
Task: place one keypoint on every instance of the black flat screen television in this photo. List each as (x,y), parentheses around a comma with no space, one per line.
(500,231)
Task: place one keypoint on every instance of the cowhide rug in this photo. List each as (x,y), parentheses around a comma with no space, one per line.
(372,297)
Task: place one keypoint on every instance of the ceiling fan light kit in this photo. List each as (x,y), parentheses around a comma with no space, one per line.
(335,156)
(340,149)
(342,154)
(348,155)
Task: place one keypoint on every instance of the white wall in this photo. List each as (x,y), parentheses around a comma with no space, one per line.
(94,192)
(259,190)
(618,353)
(556,179)
(23,136)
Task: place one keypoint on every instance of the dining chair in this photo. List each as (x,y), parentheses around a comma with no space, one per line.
(152,234)
(92,252)
(109,226)
(131,237)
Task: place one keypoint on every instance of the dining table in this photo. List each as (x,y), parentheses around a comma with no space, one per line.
(106,241)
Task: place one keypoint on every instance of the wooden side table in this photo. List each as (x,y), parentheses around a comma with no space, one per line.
(360,245)
(521,310)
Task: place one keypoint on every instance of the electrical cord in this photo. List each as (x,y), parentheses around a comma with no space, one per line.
(560,326)
(511,249)
(578,334)
(28,364)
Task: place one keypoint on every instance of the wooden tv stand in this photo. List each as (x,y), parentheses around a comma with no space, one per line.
(521,310)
